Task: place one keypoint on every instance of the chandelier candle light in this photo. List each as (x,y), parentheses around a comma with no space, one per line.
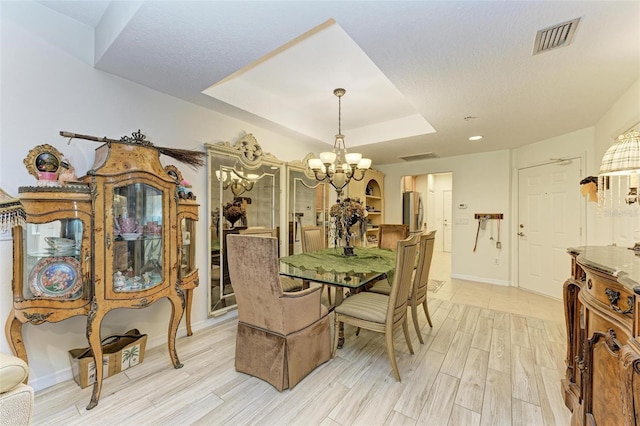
(339,167)
(236,180)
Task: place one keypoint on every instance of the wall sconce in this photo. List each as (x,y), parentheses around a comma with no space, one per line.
(236,181)
(618,180)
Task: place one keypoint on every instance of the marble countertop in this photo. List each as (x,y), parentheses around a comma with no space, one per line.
(619,262)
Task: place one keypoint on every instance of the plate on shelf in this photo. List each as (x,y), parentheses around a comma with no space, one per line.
(57,277)
(129,236)
(60,243)
(49,252)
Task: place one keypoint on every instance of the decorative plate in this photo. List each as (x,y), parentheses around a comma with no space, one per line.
(57,277)
(43,159)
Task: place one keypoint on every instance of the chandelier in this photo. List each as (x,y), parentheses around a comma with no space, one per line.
(339,167)
(236,181)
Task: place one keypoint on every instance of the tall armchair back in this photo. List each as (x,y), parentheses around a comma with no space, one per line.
(281,336)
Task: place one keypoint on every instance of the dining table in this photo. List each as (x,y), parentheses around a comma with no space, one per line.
(331,267)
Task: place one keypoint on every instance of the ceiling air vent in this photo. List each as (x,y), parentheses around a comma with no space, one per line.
(560,35)
(415,157)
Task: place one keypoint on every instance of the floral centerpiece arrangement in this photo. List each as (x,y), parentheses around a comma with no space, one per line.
(234,211)
(347,213)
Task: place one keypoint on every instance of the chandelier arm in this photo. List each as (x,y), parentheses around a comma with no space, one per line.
(318,175)
(362,174)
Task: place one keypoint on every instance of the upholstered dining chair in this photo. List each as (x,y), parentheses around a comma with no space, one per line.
(381,313)
(389,234)
(313,238)
(418,293)
(282,336)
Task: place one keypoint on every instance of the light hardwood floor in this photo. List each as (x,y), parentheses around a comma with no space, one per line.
(494,356)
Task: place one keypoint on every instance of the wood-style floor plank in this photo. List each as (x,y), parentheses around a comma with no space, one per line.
(500,351)
(525,414)
(523,376)
(471,390)
(461,416)
(496,406)
(439,404)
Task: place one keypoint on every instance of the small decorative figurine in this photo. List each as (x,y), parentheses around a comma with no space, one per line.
(147,279)
(67,174)
(184,191)
(118,281)
(589,186)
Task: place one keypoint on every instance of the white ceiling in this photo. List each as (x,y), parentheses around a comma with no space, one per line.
(406,66)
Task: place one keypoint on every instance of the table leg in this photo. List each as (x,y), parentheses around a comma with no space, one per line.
(340,331)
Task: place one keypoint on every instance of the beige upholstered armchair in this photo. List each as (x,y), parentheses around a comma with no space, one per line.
(16,398)
(282,336)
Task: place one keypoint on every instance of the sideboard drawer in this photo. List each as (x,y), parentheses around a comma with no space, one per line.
(613,295)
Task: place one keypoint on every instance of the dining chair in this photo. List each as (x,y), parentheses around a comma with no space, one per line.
(418,293)
(281,336)
(313,239)
(389,234)
(381,313)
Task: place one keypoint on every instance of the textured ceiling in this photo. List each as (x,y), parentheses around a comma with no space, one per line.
(444,61)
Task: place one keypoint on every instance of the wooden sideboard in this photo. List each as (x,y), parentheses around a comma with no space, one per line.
(602,300)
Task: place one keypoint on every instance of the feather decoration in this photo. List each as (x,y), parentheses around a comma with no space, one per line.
(192,158)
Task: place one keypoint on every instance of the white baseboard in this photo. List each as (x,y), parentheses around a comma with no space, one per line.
(481,280)
(62,375)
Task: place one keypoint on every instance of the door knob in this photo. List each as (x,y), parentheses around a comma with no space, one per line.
(521,234)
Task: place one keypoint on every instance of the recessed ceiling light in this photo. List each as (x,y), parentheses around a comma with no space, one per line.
(476,138)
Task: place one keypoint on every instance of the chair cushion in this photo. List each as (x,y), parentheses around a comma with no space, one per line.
(381,287)
(367,306)
(13,371)
(289,284)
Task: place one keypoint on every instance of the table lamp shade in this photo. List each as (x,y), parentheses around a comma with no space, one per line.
(623,157)
(11,211)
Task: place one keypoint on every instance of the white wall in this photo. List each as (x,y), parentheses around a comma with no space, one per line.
(484,189)
(45,89)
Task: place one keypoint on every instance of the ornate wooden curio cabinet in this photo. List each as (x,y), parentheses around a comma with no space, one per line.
(119,237)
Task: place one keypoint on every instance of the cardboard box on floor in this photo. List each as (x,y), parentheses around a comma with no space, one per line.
(119,352)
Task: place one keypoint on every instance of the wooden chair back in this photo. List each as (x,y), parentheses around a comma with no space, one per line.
(421,277)
(313,238)
(390,234)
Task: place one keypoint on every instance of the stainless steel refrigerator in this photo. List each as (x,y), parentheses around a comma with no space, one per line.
(412,211)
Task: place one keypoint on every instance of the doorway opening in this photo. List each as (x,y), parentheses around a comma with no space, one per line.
(427,201)
(427,206)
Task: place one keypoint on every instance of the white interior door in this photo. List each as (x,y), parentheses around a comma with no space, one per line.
(446,221)
(550,221)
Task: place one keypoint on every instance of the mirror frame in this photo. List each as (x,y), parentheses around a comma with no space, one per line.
(298,166)
(247,153)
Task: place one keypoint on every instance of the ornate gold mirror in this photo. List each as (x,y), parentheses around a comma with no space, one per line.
(308,203)
(244,197)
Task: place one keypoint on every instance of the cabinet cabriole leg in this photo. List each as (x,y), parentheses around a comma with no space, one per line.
(177,310)
(95,343)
